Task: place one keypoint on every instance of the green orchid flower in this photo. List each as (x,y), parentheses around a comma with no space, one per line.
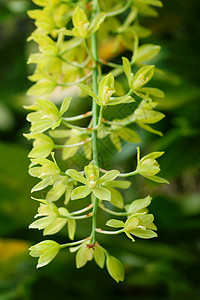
(55,14)
(145,115)
(139,223)
(86,252)
(53,219)
(48,172)
(46,115)
(63,185)
(42,145)
(148,167)
(82,27)
(143,75)
(73,136)
(116,197)
(105,91)
(46,251)
(92,183)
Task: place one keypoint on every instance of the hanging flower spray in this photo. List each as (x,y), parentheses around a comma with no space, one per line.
(68,34)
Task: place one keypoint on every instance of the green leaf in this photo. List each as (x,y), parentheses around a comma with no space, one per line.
(43,222)
(42,3)
(48,106)
(65,105)
(102,193)
(148,11)
(109,176)
(41,88)
(42,184)
(116,197)
(127,67)
(143,234)
(87,90)
(128,71)
(120,100)
(80,192)
(69,189)
(152,155)
(71,228)
(146,52)
(35,58)
(55,226)
(76,176)
(150,129)
(143,76)
(58,189)
(121,184)
(116,141)
(80,23)
(71,151)
(74,249)
(151,226)
(46,208)
(131,223)
(152,91)
(147,219)
(106,89)
(150,2)
(42,145)
(83,255)
(139,204)
(157,179)
(129,135)
(79,17)
(41,39)
(129,236)
(50,51)
(87,148)
(60,133)
(140,31)
(115,268)
(115,223)
(147,116)
(42,125)
(99,256)
(96,23)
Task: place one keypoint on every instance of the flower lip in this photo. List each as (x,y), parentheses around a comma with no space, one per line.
(92,181)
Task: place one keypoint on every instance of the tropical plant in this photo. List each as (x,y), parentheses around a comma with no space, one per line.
(68,34)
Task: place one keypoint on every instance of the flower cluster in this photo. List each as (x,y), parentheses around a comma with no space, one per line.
(70,37)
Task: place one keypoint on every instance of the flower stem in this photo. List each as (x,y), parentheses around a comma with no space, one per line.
(75,82)
(128,174)
(73,126)
(74,64)
(81,210)
(79,117)
(99,230)
(122,174)
(80,217)
(74,243)
(119,11)
(95,116)
(112,212)
(74,145)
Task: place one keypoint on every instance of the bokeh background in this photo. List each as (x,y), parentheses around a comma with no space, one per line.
(166,268)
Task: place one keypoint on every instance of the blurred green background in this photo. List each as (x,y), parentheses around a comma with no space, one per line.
(166,268)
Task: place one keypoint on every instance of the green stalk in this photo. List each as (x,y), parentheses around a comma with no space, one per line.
(95,116)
